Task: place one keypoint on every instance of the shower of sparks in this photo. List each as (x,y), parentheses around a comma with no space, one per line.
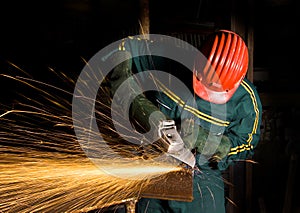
(43,167)
(33,181)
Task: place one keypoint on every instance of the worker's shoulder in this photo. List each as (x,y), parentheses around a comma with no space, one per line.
(247,91)
(248,87)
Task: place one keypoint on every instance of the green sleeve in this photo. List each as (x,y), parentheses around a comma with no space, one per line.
(140,107)
(244,131)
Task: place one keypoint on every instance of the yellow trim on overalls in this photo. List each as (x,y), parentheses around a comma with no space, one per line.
(192,110)
(248,146)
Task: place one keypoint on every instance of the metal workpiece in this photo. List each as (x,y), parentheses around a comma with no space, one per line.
(177,185)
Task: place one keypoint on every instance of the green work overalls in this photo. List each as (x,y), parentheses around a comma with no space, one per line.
(239,120)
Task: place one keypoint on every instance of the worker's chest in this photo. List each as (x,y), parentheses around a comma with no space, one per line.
(215,118)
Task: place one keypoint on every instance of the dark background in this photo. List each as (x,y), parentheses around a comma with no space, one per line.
(38,34)
(59,34)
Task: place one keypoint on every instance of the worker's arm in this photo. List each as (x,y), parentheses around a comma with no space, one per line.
(131,95)
(244,131)
(145,116)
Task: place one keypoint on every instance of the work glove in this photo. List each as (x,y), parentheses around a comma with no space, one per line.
(130,102)
(143,113)
(213,147)
(146,118)
(146,115)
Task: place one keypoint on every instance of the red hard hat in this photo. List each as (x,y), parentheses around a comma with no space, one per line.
(227,63)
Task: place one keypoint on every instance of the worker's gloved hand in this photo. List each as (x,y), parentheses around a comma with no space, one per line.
(146,118)
(213,147)
(146,115)
(130,103)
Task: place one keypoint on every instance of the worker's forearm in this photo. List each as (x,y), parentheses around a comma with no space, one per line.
(145,113)
(126,92)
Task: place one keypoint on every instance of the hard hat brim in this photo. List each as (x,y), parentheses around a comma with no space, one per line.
(217,97)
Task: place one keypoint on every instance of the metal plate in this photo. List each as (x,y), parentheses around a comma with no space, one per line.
(172,186)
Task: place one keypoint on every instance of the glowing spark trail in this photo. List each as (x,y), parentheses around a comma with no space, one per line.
(43,167)
(33,181)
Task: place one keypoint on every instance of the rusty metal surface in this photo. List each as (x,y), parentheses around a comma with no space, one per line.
(176,185)
(172,186)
